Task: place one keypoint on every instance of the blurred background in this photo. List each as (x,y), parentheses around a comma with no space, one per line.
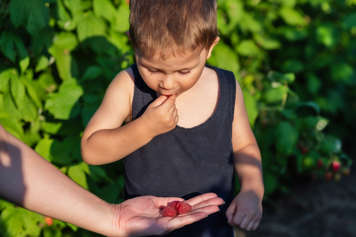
(294,59)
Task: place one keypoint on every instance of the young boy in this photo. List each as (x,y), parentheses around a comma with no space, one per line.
(179,125)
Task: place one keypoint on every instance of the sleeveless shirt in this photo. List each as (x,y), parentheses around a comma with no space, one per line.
(185,162)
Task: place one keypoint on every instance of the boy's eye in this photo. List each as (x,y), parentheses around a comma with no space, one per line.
(183,72)
(152,70)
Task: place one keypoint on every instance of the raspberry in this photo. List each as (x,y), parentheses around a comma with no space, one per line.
(183,207)
(335,165)
(169,211)
(173,204)
(48,220)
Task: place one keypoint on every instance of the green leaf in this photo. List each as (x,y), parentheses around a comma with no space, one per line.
(9,107)
(249,23)
(63,61)
(281,77)
(61,103)
(349,21)
(42,64)
(271,183)
(92,72)
(105,9)
(267,42)
(44,148)
(77,174)
(287,137)
(20,222)
(51,127)
(98,174)
(33,14)
(65,40)
(5,204)
(251,107)
(121,20)
(18,91)
(24,63)
(292,17)
(5,77)
(326,35)
(342,72)
(65,21)
(223,56)
(24,105)
(12,46)
(293,65)
(66,151)
(89,26)
(248,48)
(12,126)
(330,145)
(275,95)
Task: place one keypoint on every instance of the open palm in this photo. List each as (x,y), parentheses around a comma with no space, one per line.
(141,216)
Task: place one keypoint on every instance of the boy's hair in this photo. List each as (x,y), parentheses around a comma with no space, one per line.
(171,26)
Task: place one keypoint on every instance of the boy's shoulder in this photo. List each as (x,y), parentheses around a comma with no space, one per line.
(223,74)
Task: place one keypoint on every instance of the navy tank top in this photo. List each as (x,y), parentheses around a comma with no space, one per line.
(185,162)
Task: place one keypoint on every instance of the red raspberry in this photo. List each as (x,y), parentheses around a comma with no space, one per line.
(173,204)
(169,211)
(183,207)
(335,165)
(48,220)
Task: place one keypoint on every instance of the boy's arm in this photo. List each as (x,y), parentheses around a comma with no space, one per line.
(246,152)
(105,140)
(245,210)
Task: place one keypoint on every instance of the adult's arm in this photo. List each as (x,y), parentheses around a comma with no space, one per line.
(32,182)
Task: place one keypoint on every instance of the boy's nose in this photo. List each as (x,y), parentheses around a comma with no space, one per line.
(167,83)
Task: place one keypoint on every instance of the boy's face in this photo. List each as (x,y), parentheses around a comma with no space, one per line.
(174,74)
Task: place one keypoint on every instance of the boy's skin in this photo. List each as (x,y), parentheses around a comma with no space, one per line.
(187,95)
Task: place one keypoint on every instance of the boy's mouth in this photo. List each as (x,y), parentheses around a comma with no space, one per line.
(167,92)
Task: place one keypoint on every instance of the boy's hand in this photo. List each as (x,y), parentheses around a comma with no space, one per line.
(245,211)
(161,115)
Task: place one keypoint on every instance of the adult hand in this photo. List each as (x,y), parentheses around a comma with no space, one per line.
(141,216)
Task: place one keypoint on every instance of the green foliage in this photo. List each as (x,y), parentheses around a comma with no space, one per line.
(294,59)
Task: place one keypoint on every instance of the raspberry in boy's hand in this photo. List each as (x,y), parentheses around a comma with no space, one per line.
(175,208)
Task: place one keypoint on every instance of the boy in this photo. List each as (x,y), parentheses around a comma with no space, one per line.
(181,126)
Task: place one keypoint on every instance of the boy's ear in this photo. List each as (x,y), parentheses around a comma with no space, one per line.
(216,41)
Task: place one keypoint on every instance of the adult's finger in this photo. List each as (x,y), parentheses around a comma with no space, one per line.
(163,201)
(200,198)
(216,201)
(183,220)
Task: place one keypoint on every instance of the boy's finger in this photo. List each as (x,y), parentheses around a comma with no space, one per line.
(250,225)
(230,212)
(171,100)
(237,218)
(245,221)
(255,225)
